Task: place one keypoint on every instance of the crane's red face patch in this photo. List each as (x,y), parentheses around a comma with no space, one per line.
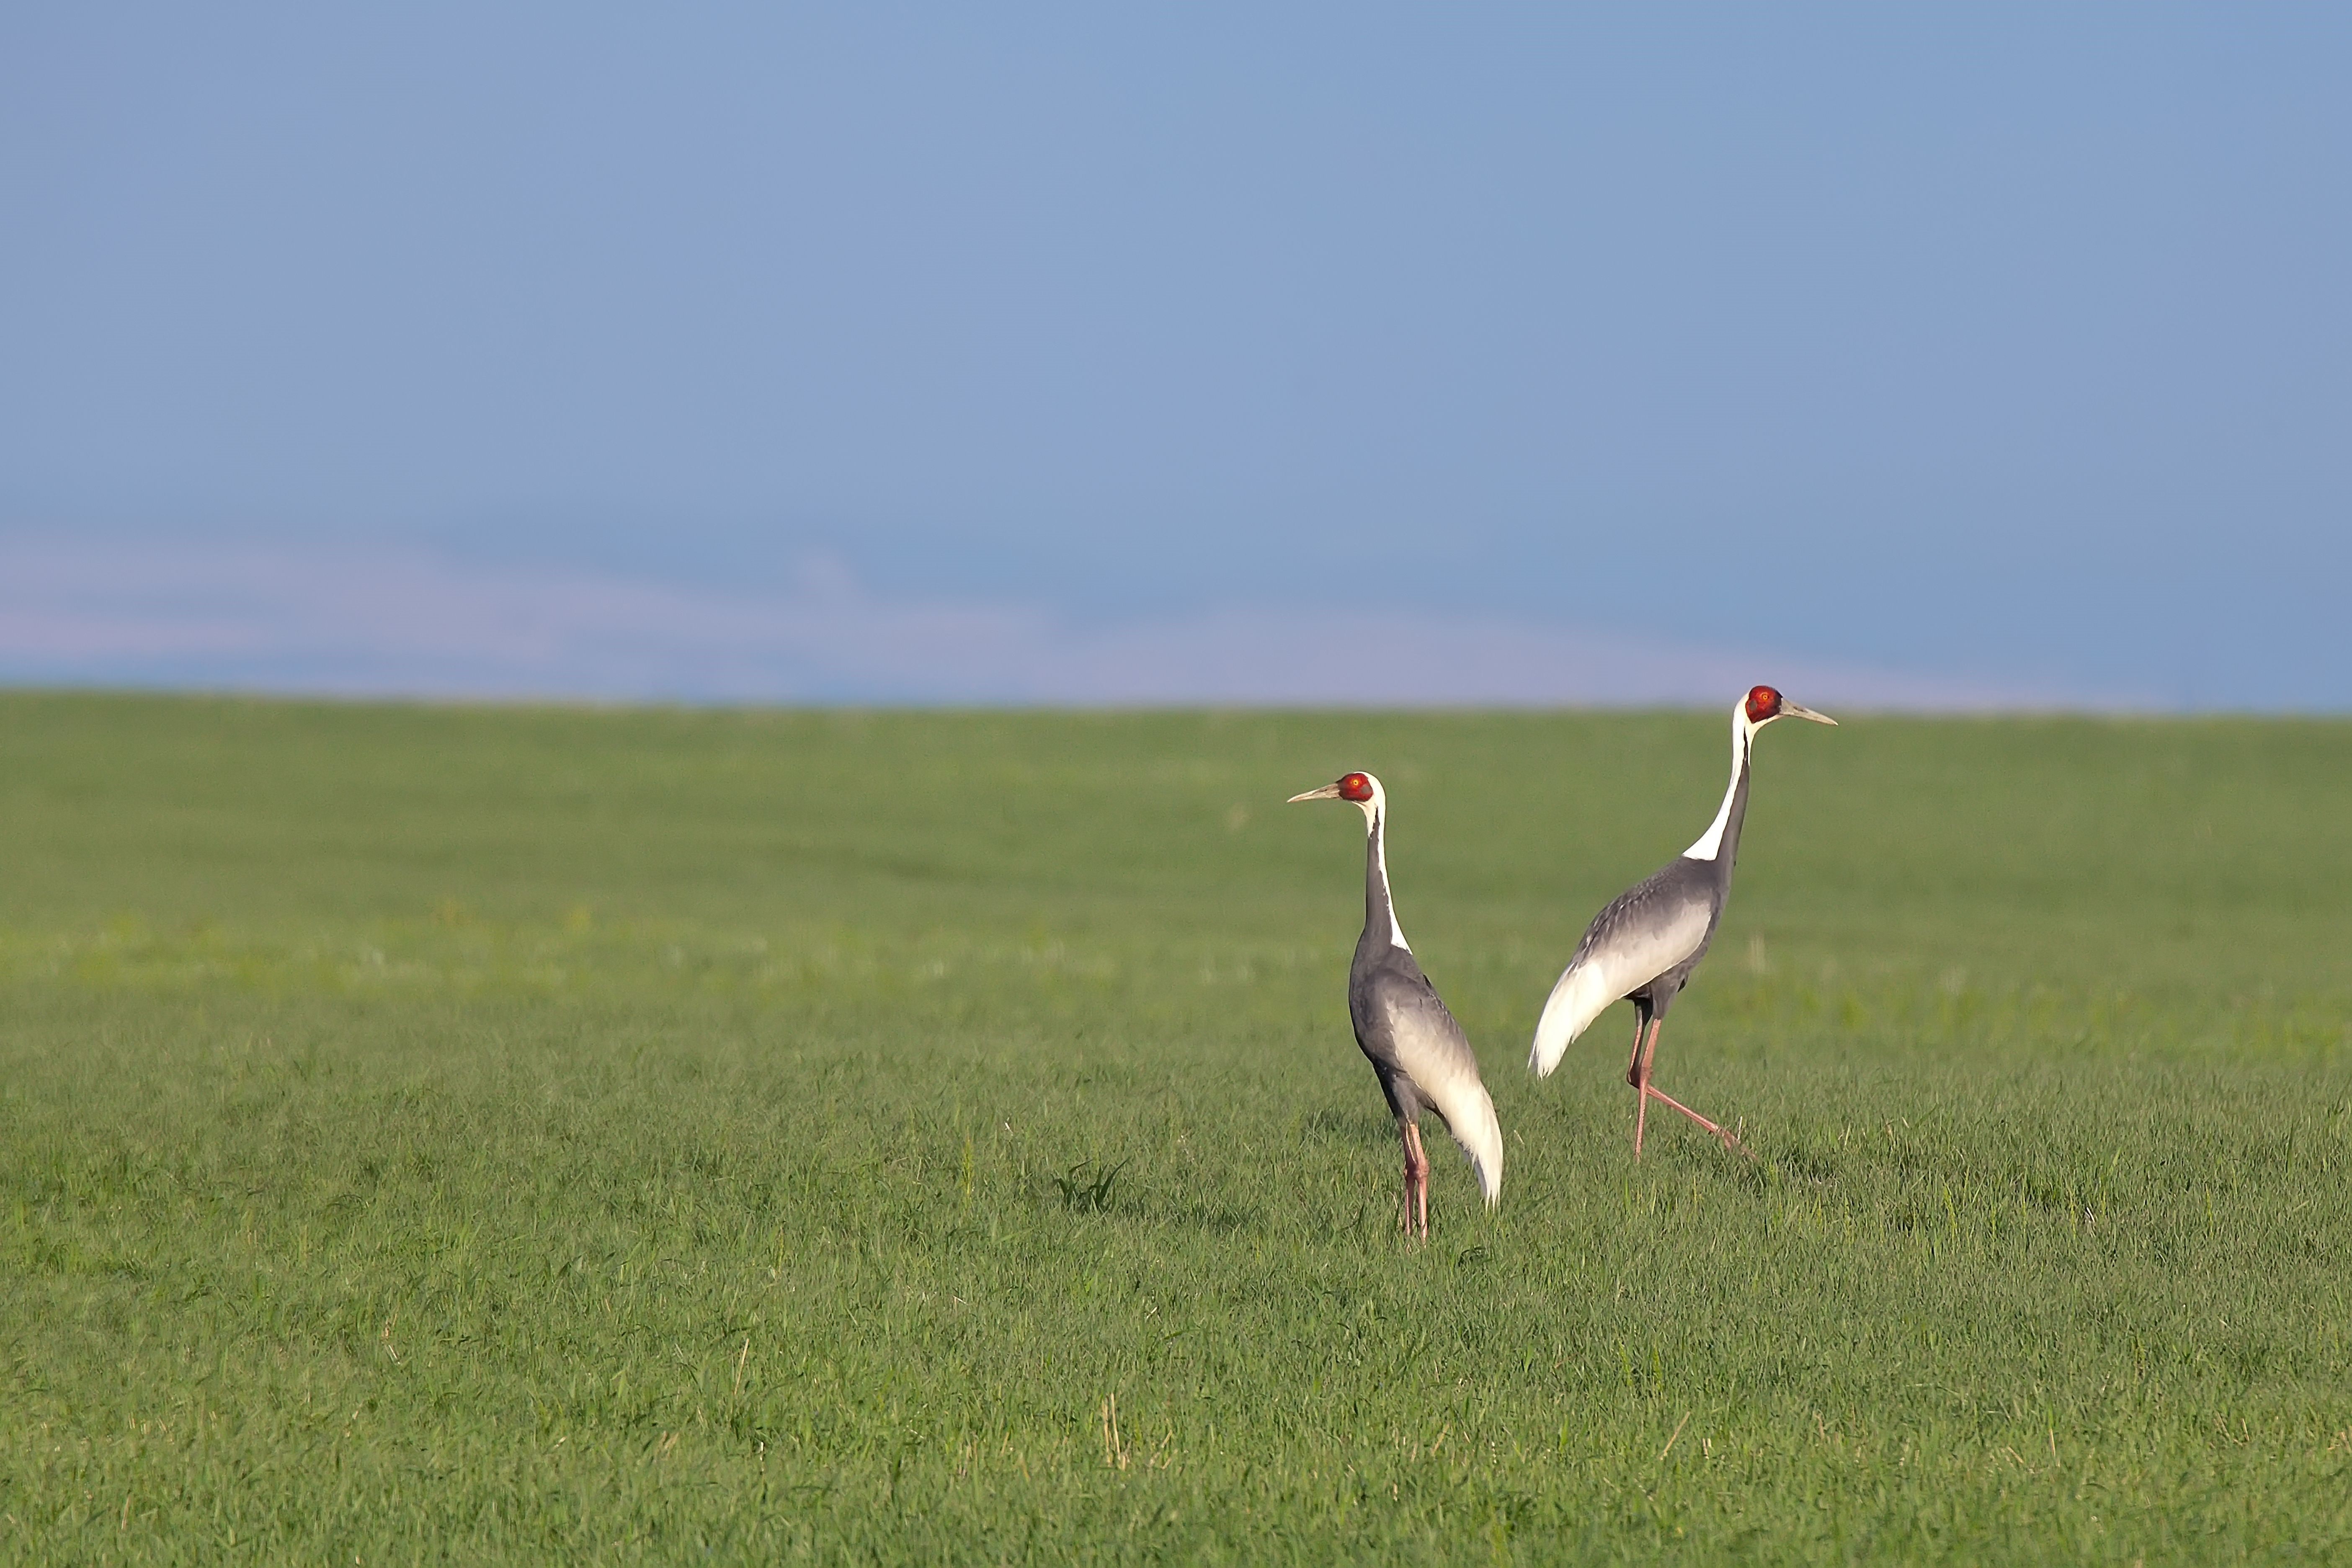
(1356,787)
(1763,703)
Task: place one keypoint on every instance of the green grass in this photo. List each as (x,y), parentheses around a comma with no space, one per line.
(463,1134)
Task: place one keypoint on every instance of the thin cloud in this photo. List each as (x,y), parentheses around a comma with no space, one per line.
(370,622)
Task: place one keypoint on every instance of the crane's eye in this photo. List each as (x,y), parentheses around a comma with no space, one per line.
(1763,702)
(1356,787)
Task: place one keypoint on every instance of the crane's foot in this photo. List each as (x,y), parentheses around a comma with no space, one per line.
(1730,1139)
(1413,1217)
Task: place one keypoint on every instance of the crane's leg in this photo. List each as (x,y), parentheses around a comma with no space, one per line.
(1404,1215)
(1730,1140)
(1647,1052)
(1416,1180)
(1645,1046)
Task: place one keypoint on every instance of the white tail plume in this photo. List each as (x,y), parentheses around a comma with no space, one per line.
(1582,994)
(1469,1113)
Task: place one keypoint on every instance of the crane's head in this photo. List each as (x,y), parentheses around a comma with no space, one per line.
(1764,704)
(1361,789)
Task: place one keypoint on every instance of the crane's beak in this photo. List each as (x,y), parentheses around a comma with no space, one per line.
(1789,710)
(1328,791)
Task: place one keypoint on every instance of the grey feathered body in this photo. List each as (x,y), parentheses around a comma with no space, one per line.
(1390,1001)
(1673,898)
(1683,896)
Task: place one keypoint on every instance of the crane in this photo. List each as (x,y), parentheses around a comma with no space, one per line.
(1642,947)
(1419,1052)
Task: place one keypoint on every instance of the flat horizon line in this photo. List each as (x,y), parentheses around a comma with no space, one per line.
(346,697)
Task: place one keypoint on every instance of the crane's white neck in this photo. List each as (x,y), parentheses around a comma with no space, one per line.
(1710,843)
(1376,820)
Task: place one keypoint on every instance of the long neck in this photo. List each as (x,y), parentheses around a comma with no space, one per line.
(1720,842)
(1380,909)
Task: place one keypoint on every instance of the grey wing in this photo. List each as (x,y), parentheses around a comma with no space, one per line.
(1642,933)
(1651,928)
(1424,1042)
(1421,1037)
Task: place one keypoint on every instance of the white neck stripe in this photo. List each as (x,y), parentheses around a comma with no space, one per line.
(1376,814)
(1710,843)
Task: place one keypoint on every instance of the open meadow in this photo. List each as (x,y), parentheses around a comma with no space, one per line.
(465,1134)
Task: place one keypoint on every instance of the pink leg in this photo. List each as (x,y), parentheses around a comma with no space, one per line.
(1645,1046)
(1645,1051)
(1416,1182)
(1729,1141)
(1404,1215)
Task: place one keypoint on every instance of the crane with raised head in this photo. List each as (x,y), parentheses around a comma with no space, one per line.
(1419,1052)
(1642,947)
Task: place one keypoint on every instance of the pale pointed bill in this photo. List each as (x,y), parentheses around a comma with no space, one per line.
(1328,791)
(1792,710)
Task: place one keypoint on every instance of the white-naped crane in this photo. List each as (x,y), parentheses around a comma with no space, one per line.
(1644,946)
(1420,1054)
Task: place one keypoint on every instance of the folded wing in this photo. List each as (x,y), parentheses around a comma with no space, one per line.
(1637,938)
(1434,1053)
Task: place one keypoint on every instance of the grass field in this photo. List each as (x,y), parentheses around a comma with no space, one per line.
(471,1134)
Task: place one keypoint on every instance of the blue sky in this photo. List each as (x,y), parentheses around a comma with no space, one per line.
(1319,353)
